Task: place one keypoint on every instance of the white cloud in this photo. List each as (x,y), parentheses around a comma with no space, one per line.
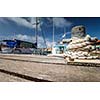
(24,37)
(32,39)
(27,22)
(49,43)
(32,21)
(20,21)
(61,22)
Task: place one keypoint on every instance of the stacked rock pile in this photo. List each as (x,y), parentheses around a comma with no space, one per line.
(82,45)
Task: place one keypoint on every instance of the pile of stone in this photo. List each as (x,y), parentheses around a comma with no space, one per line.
(81,45)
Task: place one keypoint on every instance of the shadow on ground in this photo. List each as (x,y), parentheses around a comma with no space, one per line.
(23,76)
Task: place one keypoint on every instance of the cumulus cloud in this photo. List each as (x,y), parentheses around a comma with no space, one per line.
(32,39)
(20,21)
(32,21)
(61,22)
(25,37)
(28,22)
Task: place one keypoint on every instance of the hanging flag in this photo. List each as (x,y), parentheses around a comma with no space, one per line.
(64,35)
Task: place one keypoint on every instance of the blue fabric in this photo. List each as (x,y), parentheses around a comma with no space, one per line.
(11,44)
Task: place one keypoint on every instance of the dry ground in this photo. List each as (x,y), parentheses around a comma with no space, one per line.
(19,71)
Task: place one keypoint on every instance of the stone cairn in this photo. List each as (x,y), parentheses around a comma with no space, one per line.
(82,45)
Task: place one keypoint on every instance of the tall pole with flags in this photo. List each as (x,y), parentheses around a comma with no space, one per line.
(53,32)
(64,30)
(64,34)
(36,32)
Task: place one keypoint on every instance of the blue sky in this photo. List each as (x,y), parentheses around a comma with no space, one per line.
(22,28)
(92,24)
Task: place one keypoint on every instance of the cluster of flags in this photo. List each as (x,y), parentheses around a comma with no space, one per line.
(63,36)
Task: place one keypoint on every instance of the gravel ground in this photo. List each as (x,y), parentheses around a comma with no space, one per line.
(19,71)
(8,78)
